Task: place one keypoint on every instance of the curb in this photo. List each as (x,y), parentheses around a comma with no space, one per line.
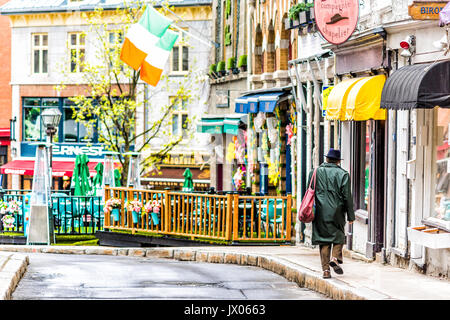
(332,288)
(11,272)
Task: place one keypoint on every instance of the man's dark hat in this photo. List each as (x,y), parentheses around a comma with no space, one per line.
(336,18)
(334,154)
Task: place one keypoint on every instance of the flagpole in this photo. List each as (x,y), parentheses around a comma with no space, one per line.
(209,43)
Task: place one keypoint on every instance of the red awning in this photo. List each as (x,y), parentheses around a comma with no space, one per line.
(60,168)
(5,133)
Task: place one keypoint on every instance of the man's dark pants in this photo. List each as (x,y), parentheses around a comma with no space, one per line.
(330,250)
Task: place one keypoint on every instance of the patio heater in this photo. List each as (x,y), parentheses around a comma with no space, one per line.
(40,228)
(134,170)
(108,171)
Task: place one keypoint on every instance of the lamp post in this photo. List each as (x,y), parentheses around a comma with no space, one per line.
(50,118)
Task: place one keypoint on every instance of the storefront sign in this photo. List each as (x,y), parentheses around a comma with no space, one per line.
(426,10)
(74,150)
(336,19)
(64,150)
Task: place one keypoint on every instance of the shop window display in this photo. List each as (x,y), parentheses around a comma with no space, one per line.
(442,191)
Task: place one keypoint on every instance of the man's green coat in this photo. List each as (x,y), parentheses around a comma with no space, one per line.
(333,200)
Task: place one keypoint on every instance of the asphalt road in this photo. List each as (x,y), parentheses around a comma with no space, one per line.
(91,277)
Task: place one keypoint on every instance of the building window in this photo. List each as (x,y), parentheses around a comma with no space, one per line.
(180,55)
(77,49)
(115,41)
(69,130)
(180,119)
(32,109)
(39,52)
(75,131)
(442,191)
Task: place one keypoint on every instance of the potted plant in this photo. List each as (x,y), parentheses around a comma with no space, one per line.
(212,71)
(295,15)
(302,12)
(231,65)
(310,12)
(220,69)
(135,206)
(112,206)
(242,63)
(153,207)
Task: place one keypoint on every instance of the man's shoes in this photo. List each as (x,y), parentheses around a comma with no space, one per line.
(326,274)
(335,265)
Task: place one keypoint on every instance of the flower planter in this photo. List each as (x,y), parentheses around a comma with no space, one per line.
(429,237)
(302,17)
(135,216)
(155,216)
(311,14)
(243,68)
(115,214)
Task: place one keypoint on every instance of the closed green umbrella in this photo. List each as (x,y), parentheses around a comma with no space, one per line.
(81,176)
(117,177)
(98,178)
(188,183)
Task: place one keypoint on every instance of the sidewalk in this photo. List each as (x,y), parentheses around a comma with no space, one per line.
(361,280)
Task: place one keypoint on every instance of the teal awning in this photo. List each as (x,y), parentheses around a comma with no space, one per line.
(213,125)
(221,124)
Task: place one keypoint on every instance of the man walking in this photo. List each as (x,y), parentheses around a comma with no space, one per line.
(333,201)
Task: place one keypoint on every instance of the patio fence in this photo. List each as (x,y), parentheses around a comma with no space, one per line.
(72,215)
(229,217)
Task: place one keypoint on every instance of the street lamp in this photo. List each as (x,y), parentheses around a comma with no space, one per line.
(50,118)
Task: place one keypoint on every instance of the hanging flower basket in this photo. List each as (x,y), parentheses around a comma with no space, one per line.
(153,208)
(135,206)
(112,206)
(8,221)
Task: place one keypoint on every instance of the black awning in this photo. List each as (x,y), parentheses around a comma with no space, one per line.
(420,86)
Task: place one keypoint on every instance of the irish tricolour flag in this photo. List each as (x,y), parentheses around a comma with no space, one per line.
(148,44)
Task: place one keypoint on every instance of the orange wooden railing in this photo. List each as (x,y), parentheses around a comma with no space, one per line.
(229,217)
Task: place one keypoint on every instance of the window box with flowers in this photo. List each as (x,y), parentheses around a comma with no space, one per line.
(112,206)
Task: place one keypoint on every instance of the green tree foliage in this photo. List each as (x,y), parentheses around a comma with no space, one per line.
(113,93)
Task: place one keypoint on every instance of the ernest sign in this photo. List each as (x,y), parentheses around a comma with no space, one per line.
(336,19)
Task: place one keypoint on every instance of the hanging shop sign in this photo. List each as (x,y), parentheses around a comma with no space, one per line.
(336,19)
(426,10)
(325,93)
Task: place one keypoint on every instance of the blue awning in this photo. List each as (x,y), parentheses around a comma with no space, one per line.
(247,104)
(268,101)
(262,102)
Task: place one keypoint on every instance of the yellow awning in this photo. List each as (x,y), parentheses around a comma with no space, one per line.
(337,100)
(364,98)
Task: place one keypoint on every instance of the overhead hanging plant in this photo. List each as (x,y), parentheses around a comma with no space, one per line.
(228,8)
(227,36)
